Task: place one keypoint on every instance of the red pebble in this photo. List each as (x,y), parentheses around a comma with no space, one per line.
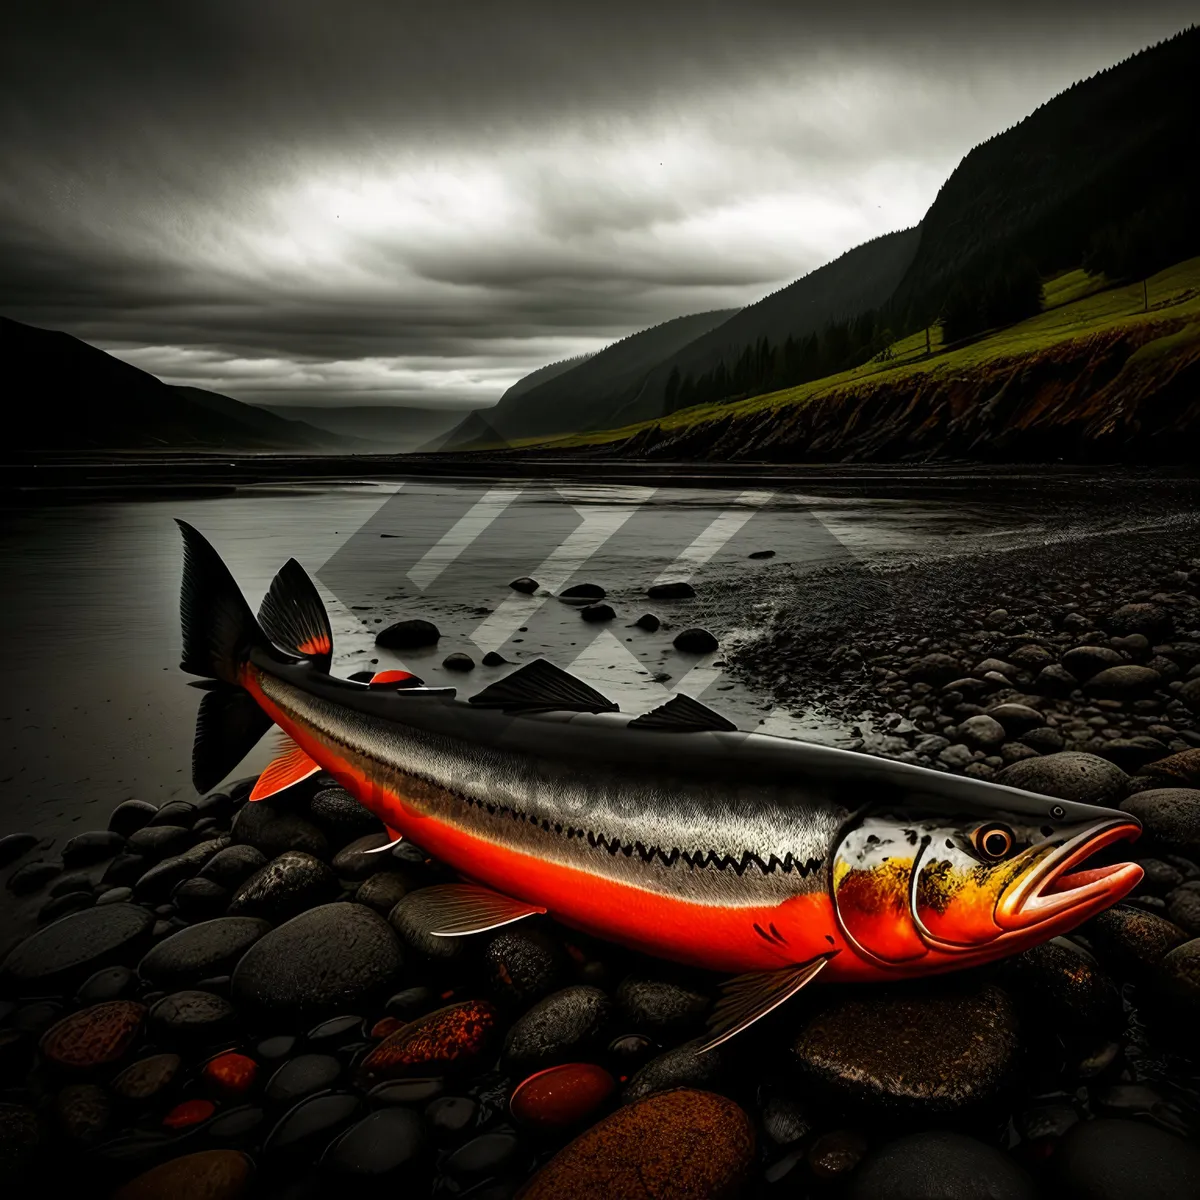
(190,1112)
(455,1038)
(561,1097)
(231,1074)
(385,1026)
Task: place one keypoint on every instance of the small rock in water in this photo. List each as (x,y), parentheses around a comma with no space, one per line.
(455,1038)
(175,812)
(558,1027)
(95,1036)
(561,1097)
(62,905)
(835,1155)
(594,614)
(111,983)
(761,554)
(695,641)
(285,888)
(1071,775)
(408,635)
(648,621)
(328,960)
(679,1143)
(678,590)
(492,659)
(525,585)
(231,1074)
(458,661)
(932,1050)
(940,1165)
(582,593)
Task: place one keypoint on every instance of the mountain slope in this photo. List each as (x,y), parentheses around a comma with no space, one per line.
(71,396)
(588,395)
(378,428)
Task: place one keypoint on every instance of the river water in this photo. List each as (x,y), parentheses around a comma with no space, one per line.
(94,709)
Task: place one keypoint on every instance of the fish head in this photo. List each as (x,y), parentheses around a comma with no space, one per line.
(929,884)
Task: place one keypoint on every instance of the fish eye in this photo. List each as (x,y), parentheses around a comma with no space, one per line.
(993,841)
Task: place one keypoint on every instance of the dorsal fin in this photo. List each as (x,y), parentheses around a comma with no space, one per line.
(293,616)
(540,686)
(682,714)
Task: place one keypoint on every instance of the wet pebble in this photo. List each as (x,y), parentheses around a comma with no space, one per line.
(525,585)
(199,898)
(131,815)
(94,1036)
(1176,770)
(334,958)
(411,919)
(1059,984)
(14,845)
(523,966)
(561,1026)
(1112,1159)
(206,1175)
(923,1049)
(595,614)
(1170,818)
(661,1007)
(382,891)
(301,1076)
(834,1155)
(83,1110)
(156,842)
(275,831)
(483,1156)
(1178,980)
(1131,940)
(383,1143)
(189,1113)
(192,1015)
(449,1117)
(1183,909)
(339,812)
(408,635)
(148,1077)
(458,661)
(92,847)
(284,888)
(681,1066)
(649,622)
(695,641)
(418,1090)
(561,1097)
(210,948)
(355,861)
(157,883)
(61,906)
(232,866)
(117,895)
(230,1074)
(111,983)
(679,1143)
(451,1039)
(940,1165)
(1071,775)
(304,1130)
(32,876)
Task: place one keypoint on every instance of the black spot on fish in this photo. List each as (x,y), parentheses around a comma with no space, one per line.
(1047,831)
(872,840)
(949,844)
(829,939)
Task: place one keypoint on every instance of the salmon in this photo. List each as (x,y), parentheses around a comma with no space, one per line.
(673,833)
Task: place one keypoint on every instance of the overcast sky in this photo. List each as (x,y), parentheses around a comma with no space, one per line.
(370,201)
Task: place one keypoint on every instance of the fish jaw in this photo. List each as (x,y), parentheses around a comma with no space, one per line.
(1051,897)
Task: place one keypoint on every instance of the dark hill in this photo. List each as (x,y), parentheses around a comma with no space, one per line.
(69,396)
(587,394)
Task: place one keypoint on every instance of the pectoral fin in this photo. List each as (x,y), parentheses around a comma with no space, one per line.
(290,767)
(457,909)
(747,998)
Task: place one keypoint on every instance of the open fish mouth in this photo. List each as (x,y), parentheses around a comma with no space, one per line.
(1060,885)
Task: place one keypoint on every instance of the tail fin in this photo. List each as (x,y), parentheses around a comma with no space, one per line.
(294,617)
(219,630)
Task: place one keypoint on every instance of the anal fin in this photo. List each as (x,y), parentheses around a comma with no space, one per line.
(748,998)
(458,909)
(291,766)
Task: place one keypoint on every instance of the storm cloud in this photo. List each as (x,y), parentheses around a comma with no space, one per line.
(301,202)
